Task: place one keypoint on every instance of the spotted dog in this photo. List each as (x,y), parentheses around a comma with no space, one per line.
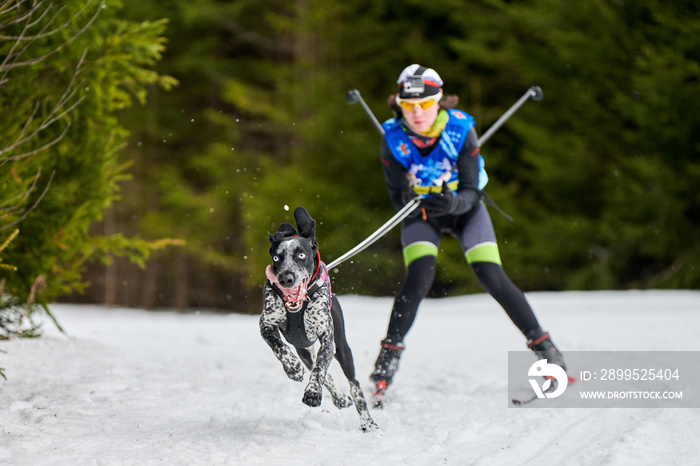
(299,304)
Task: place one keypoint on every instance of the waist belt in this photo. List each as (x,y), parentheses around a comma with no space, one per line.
(434,189)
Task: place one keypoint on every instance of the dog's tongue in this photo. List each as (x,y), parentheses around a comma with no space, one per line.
(270,274)
(294,295)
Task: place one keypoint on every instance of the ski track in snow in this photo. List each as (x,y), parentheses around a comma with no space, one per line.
(129,387)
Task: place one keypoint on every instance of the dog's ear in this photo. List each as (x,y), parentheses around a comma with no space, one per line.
(306,225)
(285,230)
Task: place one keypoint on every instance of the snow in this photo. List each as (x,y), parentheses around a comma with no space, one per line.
(130,387)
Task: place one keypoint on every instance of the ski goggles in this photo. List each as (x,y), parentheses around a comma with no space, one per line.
(424,104)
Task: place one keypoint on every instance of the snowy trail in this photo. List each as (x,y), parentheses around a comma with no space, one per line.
(132,387)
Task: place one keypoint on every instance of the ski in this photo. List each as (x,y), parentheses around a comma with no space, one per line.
(378,401)
(519,402)
(524,401)
(379,392)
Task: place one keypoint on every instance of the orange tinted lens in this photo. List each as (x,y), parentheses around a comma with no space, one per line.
(408,105)
(426,104)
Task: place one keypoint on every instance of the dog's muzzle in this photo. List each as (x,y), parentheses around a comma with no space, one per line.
(293,297)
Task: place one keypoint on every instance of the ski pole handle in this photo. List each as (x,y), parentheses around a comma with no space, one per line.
(353,96)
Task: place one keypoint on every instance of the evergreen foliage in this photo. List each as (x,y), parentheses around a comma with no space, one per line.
(600,176)
(65,69)
(609,161)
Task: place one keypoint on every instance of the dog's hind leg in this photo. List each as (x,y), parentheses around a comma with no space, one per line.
(340,400)
(366,421)
(342,350)
(344,356)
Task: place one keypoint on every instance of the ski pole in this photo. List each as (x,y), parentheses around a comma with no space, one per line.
(354,96)
(381,231)
(533,92)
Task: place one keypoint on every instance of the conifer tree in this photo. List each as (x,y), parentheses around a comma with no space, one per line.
(606,191)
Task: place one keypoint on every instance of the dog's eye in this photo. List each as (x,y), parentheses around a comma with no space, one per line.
(302,256)
(275,259)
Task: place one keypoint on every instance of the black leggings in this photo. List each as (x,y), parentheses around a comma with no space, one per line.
(492,278)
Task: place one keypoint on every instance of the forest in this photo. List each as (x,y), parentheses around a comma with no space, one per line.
(148,149)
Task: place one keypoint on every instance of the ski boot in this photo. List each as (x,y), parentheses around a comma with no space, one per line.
(541,344)
(385,367)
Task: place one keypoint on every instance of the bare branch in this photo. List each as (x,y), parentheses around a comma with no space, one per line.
(24,196)
(51,118)
(28,122)
(17,42)
(42,148)
(16,64)
(34,206)
(46,34)
(21,18)
(32,24)
(27,26)
(38,286)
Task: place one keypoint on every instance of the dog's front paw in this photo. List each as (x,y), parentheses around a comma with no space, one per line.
(368,425)
(342,401)
(294,370)
(312,396)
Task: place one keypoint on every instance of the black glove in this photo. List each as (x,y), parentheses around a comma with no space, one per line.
(442,203)
(407,195)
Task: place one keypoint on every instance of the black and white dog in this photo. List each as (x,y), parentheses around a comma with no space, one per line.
(298,302)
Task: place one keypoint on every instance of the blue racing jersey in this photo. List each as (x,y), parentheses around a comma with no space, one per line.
(439,163)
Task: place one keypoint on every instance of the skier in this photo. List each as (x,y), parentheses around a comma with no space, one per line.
(431,149)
